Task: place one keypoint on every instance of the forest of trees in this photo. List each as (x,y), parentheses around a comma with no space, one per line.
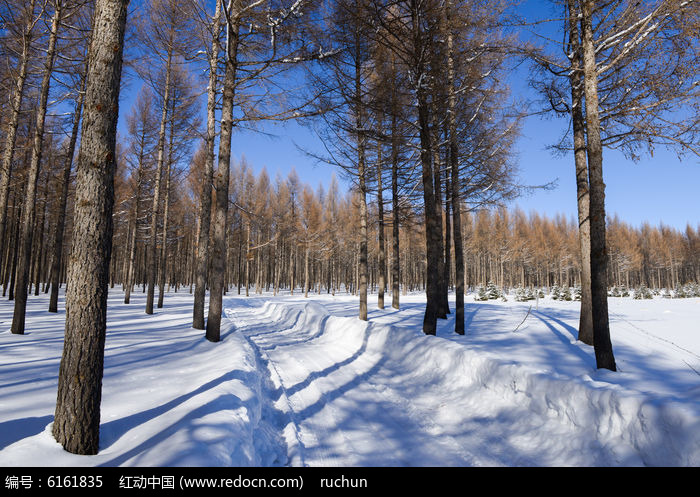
(410,101)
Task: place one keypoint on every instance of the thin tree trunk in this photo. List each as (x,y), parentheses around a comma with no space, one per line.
(13,124)
(453,154)
(362,178)
(202,263)
(166,213)
(132,253)
(221,184)
(599,291)
(29,214)
(77,417)
(61,222)
(585,328)
(306,269)
(395,259)
(153,249)
(380,227)
(41,252)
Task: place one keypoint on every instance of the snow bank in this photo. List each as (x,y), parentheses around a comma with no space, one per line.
(630,427)
(170,397)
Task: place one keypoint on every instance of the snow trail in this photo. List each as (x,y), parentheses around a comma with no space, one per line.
(344,407)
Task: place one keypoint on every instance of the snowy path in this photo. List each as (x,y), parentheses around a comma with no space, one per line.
(343,402)
(359,394)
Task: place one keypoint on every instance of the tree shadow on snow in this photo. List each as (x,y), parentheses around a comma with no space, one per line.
(16,429)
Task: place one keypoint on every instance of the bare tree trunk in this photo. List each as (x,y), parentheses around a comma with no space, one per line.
(306,269)
(77,417)
(202,264)
(29,214)
(433,237)
(132,253)
(247,259)
(166,213)
(380,227)
(585,328)
(221,184)
(13,124)
(599,286)
(15,251)
(395,259)
(362,177)
(153,249)
(61,222)
(41,252)
(453,154)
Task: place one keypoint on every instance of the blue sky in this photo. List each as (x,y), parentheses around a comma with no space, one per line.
(659,189)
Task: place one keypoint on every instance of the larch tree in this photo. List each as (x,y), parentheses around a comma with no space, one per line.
(640,37)
(164,31)
(77,417)
(29,212)
(23,28)
(233,19)
(632,65)
(345,126)
(212,32)
(141,140)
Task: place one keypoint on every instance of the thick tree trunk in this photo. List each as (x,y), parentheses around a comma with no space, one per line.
(599,285)
(77,417)
(221,184)
(202,263)
(248,256)
(29,214)
(433,236)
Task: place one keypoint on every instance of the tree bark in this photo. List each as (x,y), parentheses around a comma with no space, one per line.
(453,154)
(395,259)
(166,213)
(61,222)
(77,417)
(29,214)
(202,263)
(599,286)
(380,228)
(362,178)
(585,328)
(13,124)
(153,248)
(221,183)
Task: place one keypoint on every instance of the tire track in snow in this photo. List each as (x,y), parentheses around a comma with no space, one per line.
(243,320)
(341,400)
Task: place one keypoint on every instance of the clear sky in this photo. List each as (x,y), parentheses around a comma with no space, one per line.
(659,189)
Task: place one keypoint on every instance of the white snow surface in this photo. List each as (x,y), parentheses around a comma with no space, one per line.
(303,382)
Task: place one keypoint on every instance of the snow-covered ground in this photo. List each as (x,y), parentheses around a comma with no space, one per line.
(299,381)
